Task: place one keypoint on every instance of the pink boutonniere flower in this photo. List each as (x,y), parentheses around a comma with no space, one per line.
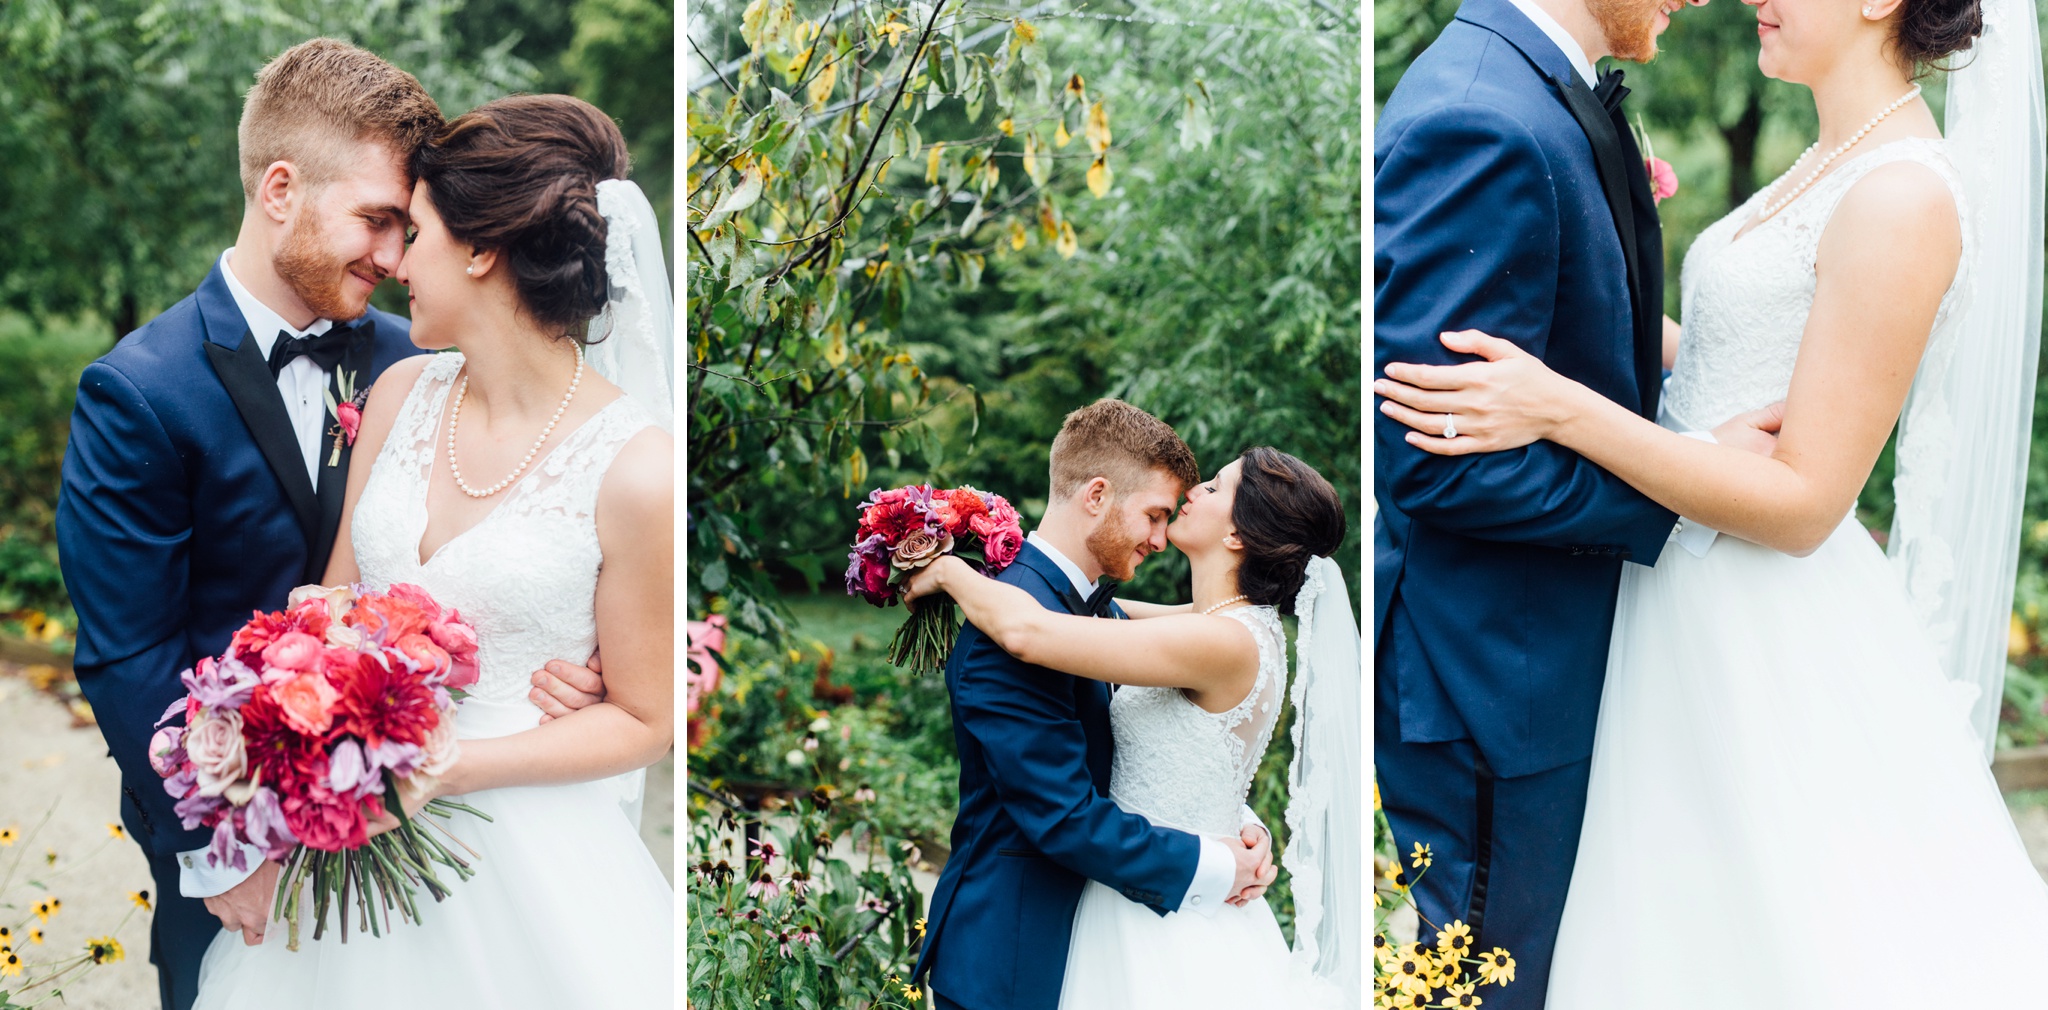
(1663,178)
(347,411)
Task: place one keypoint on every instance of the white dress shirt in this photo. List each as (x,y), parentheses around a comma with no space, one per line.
(1216,870)
(1572,50)
(303,385)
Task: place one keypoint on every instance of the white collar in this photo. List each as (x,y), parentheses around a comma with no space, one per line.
(1572,50)
(264,321)
(1074,573)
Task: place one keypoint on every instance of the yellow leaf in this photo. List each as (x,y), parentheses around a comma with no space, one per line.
(1076,88)
(856,467)
(1098,128)
(1009,129)
(1024,30)
(990,175)
(835,344)
(1099,177)
(1032,166)
(1067,245)
(895,29)
(1048,222)
(801,63)
(864,112)
(1060,136)
(821,85)
(1017,235)
(931,163)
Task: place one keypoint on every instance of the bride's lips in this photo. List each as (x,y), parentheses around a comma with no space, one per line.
(1764,28)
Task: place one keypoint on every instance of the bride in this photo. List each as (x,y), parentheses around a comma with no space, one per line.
(1202,693)
(519,485)
(1789,796)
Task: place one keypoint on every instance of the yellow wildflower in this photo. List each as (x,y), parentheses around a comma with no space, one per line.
(1497,967)
(1411,969)
(1455,940)
(1421,857)
(140,898)
(1462,996)
(104,950)
(8,835)
(114,831)
(46,908)
(1396,875)
(10,964)
(920,926)
(35,936)
(1382,948)
(912,993)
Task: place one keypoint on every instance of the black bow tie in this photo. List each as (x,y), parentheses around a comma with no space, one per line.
(1098,602)
(324,350)
(1610,91)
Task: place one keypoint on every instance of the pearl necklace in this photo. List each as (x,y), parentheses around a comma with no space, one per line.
(1814,175)
(1225,603)
(455,418)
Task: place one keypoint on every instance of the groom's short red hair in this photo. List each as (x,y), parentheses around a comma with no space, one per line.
(1121,444)
(321,96)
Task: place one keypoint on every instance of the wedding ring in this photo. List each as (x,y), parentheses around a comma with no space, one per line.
(1450,426)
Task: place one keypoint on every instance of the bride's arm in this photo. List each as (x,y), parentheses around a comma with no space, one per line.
(635,724)
(1139,610)
(380,412)
(1885,261)
(1214,658)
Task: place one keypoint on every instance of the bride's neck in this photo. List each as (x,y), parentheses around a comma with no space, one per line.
(517,372)
(1852,94)
(1214,581)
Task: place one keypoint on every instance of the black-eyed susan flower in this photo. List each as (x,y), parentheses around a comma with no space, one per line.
(140,898)
(1382,948)
(46,908)
(1496,967)
(114,831)
(1410,970)
(10,964)
(6,936)
(1462,996)
(1412,1000)
(919,924)
(104,950)
(912,993)
(1420,858)
(35,936)
(1397,875)
(1455,940)
(8,834)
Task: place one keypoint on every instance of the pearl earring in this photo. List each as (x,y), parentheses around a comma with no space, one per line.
(471,269)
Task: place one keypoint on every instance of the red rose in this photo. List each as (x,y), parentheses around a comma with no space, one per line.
(379,703)
(322,819)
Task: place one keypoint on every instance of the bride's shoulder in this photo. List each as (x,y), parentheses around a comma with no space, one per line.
(1906,206)
(640,485)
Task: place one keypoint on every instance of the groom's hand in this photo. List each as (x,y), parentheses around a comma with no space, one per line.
(1755,431)
(245,907)
(564,687)
(1255,870)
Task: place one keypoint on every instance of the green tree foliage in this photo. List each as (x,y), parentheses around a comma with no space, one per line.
(1161,208)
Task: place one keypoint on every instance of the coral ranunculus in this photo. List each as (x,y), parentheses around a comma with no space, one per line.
(308,702)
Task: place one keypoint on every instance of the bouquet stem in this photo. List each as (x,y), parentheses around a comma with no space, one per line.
(383,871)
(925,639)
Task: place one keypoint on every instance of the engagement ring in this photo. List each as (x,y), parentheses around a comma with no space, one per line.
(1450,426)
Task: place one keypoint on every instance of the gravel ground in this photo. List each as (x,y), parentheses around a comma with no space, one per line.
(47,763)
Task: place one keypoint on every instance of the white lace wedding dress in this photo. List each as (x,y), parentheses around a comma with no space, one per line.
(1789,807)
(567,908)
(1181,766)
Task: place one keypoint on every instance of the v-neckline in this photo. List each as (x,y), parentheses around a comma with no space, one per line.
(434,464)
(1751,226)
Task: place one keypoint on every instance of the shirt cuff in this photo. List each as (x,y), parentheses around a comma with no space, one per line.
(197,879)
(1213,876)
(1689,534)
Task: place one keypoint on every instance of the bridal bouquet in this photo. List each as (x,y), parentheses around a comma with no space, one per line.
(904,529)
(309,725)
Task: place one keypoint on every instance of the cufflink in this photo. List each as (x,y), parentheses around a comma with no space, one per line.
(188,862)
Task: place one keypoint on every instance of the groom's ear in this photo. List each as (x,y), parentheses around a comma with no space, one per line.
(1095,495)
(275,189)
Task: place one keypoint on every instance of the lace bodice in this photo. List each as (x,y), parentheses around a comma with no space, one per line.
(526,575)
(1188,768)
(1745,301)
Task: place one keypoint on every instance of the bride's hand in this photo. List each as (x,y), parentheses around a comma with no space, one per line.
(414,794)
(1504,402)
(931,579)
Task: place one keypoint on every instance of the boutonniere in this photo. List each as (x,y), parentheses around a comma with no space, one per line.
(1663,179)
(347,412)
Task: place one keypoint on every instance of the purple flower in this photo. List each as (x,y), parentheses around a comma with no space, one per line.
(346,767)
(764,887)
(193,810)
(220,683)
(226,848)
(402,758)
(263,821)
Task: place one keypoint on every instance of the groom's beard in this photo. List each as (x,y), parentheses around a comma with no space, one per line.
(1112,549)
(315,275)
(1629,27)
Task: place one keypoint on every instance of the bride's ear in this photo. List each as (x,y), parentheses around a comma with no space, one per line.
(1879,10)
(480,262)
(1231,542)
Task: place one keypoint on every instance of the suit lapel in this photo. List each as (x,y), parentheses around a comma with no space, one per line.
(247,378)
(335,453)
(1635,220)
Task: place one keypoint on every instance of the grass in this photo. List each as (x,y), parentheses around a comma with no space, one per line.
(837,619)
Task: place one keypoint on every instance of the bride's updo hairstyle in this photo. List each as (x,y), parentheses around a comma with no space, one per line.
(519,176)
(1285,514)
(1929,32)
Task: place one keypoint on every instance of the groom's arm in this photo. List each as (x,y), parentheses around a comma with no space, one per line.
(1465,228)
(123,528)
(1025,720)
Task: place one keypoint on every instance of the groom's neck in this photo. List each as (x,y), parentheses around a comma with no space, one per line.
(1067,534)
(254,264)
(1578,22)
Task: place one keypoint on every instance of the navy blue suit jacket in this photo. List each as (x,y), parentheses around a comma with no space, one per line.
(185,508)
(1496,573)
(1035,821)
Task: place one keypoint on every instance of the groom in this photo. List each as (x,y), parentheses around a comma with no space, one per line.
(1035,820)
(205,472)
(1510,197)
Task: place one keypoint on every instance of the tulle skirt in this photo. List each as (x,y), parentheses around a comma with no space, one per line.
(1788,807)
(567,909)
(1124,956)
